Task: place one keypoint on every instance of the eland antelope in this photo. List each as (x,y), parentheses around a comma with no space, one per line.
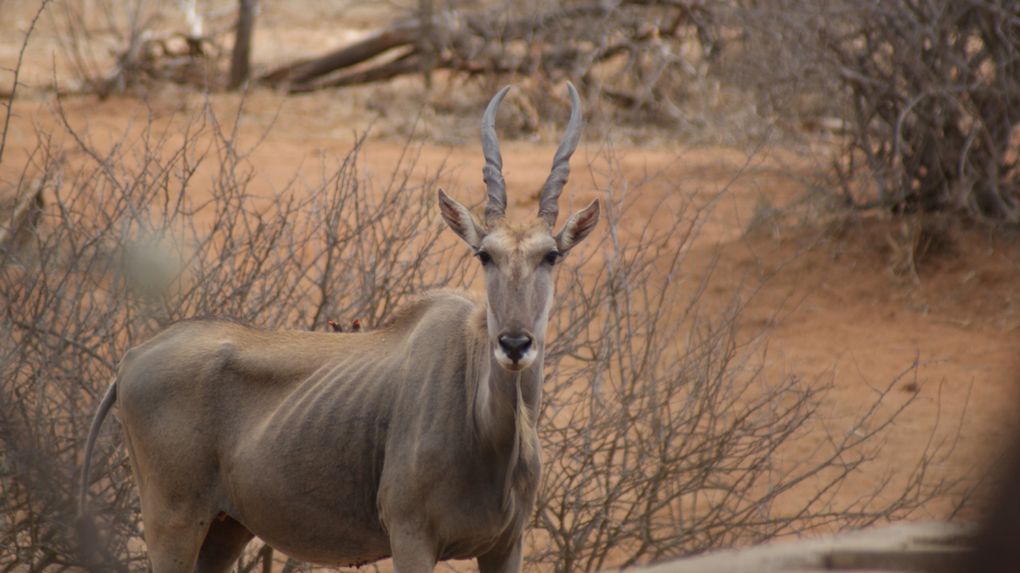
(415,441)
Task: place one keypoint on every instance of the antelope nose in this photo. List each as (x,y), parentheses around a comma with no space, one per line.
(515,345)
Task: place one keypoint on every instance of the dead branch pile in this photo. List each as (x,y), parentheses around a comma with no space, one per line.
(642,39)
(176,58)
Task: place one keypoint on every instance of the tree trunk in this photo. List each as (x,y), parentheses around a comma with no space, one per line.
(426,42)
(240,61)
(267,559)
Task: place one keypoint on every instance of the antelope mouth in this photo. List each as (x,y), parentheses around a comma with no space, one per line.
(514,365)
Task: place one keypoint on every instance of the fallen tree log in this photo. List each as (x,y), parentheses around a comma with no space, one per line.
(408,64)
(305,71)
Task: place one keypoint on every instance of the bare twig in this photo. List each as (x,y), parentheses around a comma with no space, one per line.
(17,74)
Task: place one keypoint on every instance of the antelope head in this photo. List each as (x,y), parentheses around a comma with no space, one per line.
(519,260)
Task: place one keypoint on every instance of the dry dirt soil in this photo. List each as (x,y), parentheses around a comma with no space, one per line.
(841,302)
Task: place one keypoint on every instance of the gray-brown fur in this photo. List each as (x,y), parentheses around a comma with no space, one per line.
(416,440)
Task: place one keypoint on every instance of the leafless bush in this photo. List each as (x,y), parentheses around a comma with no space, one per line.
(680,444)
(113,47)
(664,436)
(130,243)
(87,45)
(929,94)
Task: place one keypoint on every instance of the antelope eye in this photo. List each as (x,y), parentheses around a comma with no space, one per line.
(552,257)
(483,256)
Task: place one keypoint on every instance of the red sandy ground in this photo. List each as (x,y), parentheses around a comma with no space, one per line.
(833,307)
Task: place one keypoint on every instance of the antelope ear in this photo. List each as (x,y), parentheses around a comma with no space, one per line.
(578,226)
(460,220)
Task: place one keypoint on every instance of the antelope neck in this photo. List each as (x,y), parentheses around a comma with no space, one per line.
(496,393)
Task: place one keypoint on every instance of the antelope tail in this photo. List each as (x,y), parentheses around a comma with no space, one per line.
(90,444)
